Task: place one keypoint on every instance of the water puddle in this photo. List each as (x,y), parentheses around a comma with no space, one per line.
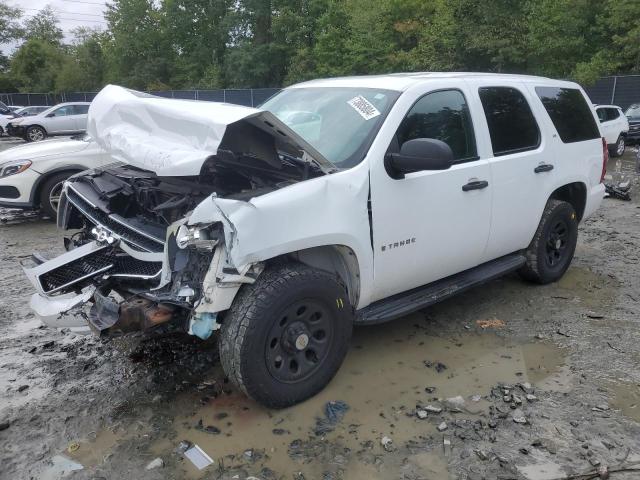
(626,398)
(388,371)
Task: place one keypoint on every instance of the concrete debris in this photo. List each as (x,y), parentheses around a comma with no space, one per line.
(518,417)
(455,404)
(422,414)
(531,398)
(433,409)
(442,427)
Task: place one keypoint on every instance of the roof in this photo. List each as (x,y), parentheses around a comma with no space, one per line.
(404,81)
(598,105)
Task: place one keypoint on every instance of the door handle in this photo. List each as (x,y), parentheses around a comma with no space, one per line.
(544,167)
(475,185)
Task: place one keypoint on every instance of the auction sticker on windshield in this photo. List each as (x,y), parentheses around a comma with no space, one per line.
(364,107)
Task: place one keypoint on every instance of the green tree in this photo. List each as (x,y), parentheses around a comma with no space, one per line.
(139,53)
(35,66)
(83,67)
(44,26)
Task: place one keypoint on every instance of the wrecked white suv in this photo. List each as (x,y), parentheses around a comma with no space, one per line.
(339,202)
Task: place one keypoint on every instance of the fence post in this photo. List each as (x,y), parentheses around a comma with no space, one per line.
(613,92)
(224,95)
(252,103)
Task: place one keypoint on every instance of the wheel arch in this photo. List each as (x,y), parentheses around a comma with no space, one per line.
(44,177)
(340,260)
(574,193)
(26,128)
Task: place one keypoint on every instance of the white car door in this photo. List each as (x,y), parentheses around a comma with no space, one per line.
(429,224)
(521,162)
(61,120)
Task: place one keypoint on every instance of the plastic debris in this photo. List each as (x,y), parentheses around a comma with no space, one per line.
(60,467)
(155,463)
(198,457)
(333,414)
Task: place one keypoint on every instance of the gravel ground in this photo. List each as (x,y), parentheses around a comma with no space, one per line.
(507,381)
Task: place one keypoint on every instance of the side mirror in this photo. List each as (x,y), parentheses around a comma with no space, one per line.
(417,155)
(51,115)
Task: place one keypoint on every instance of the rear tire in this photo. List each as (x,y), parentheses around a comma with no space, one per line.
(285,336)
(35,134)
(50,194)
(619,148)
(553,245)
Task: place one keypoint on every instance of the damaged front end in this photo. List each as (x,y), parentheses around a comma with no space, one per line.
(133,255)
(141,253)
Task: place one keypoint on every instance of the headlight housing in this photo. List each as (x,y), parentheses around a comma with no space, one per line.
(13,168)
(197,236)
(16,121)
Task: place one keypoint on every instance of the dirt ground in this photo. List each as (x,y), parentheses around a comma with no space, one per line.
(507,381)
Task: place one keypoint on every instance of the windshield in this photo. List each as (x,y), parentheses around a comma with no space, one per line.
(338,122)
(633,112)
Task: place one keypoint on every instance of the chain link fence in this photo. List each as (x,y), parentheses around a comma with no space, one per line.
(249,97)
(621,90)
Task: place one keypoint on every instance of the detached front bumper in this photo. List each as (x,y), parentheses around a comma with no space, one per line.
(16,130)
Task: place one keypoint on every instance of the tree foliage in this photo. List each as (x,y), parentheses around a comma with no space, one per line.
(183,44)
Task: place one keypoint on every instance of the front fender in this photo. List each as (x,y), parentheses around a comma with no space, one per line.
(329,210)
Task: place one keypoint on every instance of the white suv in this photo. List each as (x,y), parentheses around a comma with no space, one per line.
(62,119)
(280,231)
(615,127)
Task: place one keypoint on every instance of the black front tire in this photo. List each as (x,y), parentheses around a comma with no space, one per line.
(285,336)
(50,191)
(553,245)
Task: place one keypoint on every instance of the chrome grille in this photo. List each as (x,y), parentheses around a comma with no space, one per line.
(107,261)
(125,232)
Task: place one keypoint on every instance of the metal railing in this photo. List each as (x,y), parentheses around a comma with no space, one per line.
(249,97)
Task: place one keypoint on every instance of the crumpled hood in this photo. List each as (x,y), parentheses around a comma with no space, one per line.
(48,148)
(175,137)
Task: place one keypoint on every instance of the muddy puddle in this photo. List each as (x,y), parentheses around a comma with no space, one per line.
(389,370)
(626,397)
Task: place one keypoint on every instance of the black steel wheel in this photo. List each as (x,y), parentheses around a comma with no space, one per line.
(551,250)
(285,336)
(299,341)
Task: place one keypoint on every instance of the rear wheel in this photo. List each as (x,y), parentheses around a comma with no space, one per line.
(619,148)
(35,134)
(286,335)
(551,250)
(50,194)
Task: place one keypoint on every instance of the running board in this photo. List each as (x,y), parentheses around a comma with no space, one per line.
(408,302)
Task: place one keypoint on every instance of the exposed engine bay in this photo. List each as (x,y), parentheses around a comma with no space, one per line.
(129,252)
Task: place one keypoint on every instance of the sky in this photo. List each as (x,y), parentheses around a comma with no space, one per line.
(72,13)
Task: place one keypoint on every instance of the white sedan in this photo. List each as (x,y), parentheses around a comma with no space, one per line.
(32,175)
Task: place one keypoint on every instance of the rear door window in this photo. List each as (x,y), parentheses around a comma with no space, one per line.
(80,109)
(512,126)
(570,113)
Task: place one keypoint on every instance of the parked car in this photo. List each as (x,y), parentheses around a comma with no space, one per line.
(615,127)
(63,119)
(21,112)
(31,176)
(32,110)
(412,187)
(13,108)
(5,116)
(633,117)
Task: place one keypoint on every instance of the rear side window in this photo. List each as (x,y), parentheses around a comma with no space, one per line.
(570,113)
(80,109)
(512,126)
(443,115)
(612,113)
